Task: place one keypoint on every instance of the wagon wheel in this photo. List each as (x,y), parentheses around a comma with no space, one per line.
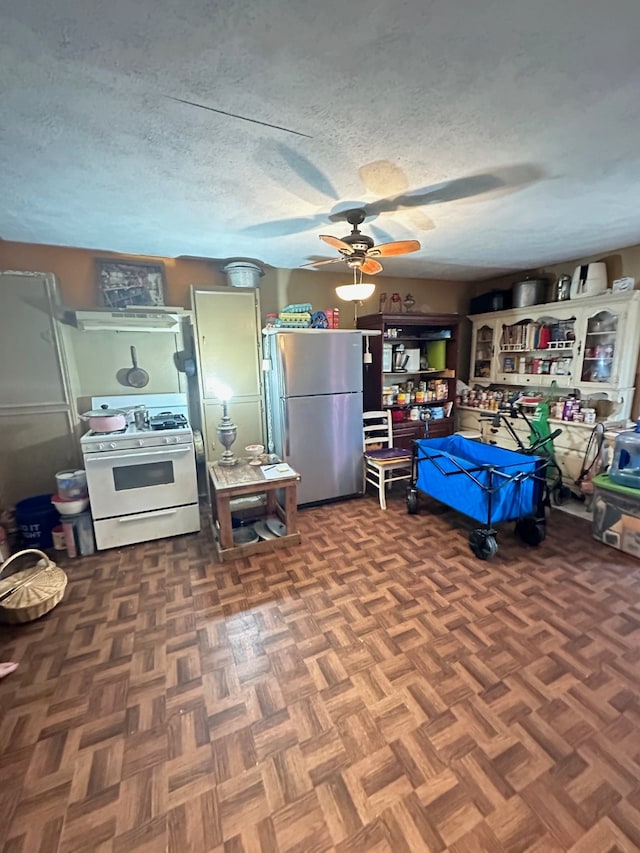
(531,530)
(483,544)
(412,501)
(560,494)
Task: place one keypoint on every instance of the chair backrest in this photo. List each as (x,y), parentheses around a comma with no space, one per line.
(377,429)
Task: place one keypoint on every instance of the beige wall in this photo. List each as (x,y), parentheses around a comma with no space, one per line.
(619,263)
(75,272)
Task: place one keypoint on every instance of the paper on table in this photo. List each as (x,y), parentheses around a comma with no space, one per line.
(274,472)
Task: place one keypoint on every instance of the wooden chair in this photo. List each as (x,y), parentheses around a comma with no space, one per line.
(383,463)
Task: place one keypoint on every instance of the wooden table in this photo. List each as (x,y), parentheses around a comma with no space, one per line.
(243,480)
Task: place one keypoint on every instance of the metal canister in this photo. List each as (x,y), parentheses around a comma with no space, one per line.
(562,289)
(141,417)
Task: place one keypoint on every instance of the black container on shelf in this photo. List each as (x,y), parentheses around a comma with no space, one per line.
(494,300)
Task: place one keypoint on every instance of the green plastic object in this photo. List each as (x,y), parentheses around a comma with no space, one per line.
(604,481)
(437,355)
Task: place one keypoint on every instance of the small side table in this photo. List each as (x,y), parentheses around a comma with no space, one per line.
(242,480)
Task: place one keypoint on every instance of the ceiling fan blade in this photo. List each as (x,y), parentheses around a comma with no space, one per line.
(400,247)
(320,263)
(371,267)
(340,245)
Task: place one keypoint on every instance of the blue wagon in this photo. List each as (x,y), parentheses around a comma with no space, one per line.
(489,484)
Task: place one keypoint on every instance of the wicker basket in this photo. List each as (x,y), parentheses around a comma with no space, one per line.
(31,592)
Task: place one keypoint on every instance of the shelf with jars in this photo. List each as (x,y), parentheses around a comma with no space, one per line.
(589,343)
(412,372)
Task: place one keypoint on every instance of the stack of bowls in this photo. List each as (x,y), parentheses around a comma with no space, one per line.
(72,496)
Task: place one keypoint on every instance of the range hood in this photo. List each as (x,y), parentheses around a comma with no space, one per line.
(130,320)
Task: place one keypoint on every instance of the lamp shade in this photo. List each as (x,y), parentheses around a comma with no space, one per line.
(355,292)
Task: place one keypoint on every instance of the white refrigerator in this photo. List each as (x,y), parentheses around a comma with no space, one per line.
(313,381)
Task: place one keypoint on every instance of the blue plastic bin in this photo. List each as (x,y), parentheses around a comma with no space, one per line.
(36,517)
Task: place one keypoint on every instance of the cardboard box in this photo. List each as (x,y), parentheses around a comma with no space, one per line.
(616,515)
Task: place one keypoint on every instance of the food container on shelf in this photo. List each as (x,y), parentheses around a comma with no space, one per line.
(531,291)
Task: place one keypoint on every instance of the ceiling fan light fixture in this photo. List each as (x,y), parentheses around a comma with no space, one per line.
(355,292)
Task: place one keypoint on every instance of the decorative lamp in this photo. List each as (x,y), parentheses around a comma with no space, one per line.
(226,430)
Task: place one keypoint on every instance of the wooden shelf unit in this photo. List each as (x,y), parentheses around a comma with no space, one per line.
(413,330)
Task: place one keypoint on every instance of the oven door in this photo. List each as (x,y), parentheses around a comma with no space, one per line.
(133,481)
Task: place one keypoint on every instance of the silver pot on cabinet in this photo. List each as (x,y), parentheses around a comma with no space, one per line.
(531,291)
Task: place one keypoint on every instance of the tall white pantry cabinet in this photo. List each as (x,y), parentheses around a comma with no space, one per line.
(587,346)
(227,327)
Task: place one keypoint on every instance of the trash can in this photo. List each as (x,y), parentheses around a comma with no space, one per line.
(36,517)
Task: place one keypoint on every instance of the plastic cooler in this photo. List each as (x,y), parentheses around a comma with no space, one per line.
(616,515)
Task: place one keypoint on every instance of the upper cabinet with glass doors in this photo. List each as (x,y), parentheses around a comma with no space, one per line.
(603,347)
(588,343)
(483,350)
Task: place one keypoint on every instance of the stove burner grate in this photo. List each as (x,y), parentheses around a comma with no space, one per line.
(167,420)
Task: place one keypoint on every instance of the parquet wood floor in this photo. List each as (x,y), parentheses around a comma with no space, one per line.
(376,688)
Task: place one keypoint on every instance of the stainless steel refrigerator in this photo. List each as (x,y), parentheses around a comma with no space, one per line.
(313,384)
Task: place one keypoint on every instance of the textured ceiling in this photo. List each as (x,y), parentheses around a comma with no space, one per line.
(502,134)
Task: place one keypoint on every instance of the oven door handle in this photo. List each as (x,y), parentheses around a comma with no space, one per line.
(126,454)
(144,515)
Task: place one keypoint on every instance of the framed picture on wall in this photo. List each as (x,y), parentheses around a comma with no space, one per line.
(123,283)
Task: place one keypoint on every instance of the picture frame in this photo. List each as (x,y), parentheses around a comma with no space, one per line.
(122,283)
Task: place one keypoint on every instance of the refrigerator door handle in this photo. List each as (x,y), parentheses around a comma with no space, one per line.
(285,427)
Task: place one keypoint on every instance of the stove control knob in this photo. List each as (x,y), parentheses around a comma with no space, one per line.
(101,446)
(170,439)
(113,445)
(140,443)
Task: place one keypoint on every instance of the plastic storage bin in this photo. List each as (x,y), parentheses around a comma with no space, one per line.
(616,515)
(625,467)
(71,484)
(36,518)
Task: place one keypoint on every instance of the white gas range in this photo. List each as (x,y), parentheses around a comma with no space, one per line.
(142,480)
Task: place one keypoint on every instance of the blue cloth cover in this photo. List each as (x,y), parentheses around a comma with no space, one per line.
(508,476)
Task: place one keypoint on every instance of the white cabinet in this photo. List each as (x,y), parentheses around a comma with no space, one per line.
(227,321)
(37,421)
(588,344)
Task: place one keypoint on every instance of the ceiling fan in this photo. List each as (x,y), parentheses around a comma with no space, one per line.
(359,251)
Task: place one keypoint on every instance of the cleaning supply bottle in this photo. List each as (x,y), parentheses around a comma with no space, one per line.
(625,467)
